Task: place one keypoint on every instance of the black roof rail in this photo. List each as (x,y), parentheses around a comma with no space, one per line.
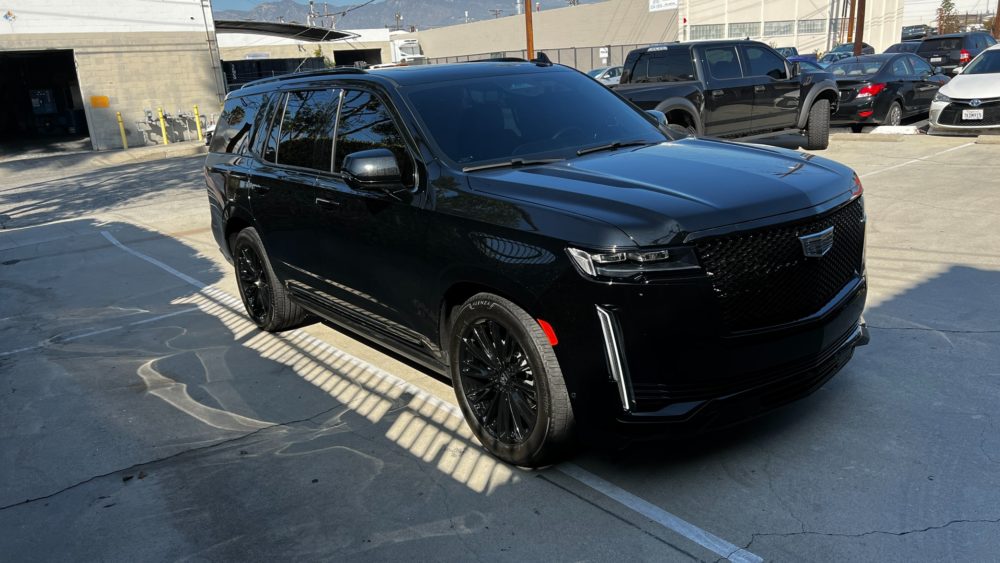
(541,59)
(498,60)
(320,72)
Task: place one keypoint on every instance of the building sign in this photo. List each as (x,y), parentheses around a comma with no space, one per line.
(660,5)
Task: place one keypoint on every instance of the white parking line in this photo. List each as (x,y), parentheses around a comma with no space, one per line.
(705,539)
(915,160)
(669,521)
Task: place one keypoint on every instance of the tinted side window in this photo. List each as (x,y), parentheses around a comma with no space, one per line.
(269,144)
(766,63)
(723,62)
(920,66)
(306,133)
(233,130)
(673,66)
(365,123)
(900,68)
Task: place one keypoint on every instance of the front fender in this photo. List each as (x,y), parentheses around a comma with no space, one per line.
(827,85)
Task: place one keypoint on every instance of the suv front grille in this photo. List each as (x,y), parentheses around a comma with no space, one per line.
(763,278)
(952,114)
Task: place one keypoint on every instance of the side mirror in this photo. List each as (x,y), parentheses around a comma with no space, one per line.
(794,70)
(374,169)
(957,70)
(661,118)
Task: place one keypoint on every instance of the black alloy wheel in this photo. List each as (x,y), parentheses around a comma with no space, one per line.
(265,298)
(498,382)
(508,382)
(254,285)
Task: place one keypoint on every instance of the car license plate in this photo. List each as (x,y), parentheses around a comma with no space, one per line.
(937,59)
(972,114)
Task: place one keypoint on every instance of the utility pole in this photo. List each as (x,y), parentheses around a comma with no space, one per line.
(850,22)
(496,12)
(529,32)
(859,38)
(996,21)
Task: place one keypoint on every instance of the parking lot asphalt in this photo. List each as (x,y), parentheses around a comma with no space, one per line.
(142,416)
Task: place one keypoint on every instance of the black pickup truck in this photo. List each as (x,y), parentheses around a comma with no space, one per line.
(731,89)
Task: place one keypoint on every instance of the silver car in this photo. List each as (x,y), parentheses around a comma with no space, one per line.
(607,75)
(970,102)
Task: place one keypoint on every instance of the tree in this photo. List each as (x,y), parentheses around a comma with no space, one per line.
(947,17)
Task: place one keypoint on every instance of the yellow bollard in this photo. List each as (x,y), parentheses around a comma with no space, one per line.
(163,126)
(121,129)
(197,122)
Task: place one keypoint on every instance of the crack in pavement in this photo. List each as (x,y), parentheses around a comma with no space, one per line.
(170,457)
(756,536)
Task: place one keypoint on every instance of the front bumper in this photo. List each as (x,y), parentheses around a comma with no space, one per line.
(945,117)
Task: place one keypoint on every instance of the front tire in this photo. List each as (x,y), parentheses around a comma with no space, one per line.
(818,126)
(508,382)
(264,297)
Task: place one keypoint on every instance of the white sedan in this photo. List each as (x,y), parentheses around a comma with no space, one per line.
(970,103)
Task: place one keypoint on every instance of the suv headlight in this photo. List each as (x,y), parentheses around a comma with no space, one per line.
(632,263)
(939,97)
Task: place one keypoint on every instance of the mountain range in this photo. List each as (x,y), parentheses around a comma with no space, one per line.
(421,14)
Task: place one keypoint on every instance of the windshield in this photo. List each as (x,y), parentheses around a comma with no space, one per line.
(525,116)
(851,69)
(597,71)
(986,63)
(844,48)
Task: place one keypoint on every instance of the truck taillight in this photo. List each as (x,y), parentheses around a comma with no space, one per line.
(963,57)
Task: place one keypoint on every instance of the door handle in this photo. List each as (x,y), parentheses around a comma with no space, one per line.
(258,188)
(327,204)
(717,93)
(759,88)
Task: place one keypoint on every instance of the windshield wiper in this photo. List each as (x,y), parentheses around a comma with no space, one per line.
(512,163)
(613,146)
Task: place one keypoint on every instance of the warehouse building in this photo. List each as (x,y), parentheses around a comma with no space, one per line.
(589,35)
(69,68)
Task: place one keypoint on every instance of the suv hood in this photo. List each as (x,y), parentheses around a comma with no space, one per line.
(660,193)
(967,86)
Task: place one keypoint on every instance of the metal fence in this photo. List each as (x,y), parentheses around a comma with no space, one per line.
(580,58)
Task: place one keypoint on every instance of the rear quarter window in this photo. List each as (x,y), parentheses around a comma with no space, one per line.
(664,66)
(235,126)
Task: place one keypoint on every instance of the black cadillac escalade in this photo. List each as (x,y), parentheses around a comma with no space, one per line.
(551,248)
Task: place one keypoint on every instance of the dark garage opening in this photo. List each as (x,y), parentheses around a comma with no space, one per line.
(40,102)
(240,72)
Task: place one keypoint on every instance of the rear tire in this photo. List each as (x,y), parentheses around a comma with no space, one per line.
(894,115)
(508,382)
(264,296)
(818,126)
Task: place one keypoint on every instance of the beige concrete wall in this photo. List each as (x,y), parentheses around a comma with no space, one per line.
(137,71)
(328,49)
(615,22)
(883,20)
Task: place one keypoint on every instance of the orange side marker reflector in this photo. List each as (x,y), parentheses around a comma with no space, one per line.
(549,332)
